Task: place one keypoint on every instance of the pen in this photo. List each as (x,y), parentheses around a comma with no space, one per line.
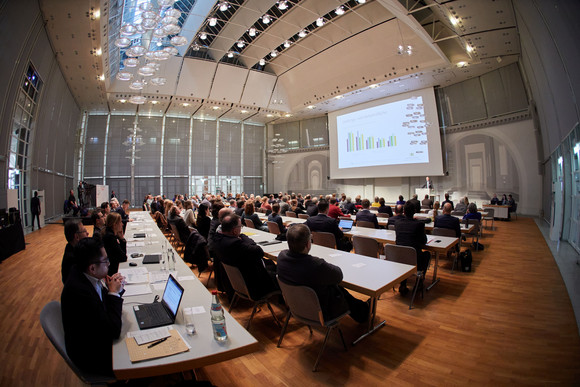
(157,342)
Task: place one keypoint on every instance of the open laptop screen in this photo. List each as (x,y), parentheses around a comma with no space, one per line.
(172,295)
(345,224)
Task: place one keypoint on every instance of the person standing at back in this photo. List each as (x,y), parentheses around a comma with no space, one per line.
(35,209)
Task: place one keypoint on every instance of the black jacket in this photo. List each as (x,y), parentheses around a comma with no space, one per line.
(116,250)
(367,216)
(450,222)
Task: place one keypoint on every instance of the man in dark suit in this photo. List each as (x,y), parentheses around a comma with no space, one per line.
(322,222)
(35,210)
(348,207)
(411,232)
(123,210)
(446,220)
(91,312)
(236,249)
(427,202)
(415,203)
(447,201)
(384,209)
(297,267)
(312,207)
(398,215)
(74,231)
(366,215)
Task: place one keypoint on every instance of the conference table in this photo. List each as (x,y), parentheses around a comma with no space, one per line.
(204,350)
(366,275)
(499,210)
(435,243)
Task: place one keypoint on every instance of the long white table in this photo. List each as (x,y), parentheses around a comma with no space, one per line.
(366,275)
(435,243)
(204,349)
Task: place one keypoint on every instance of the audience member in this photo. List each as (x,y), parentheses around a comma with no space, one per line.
(383,208)
(114,242)
(401,200)
(98,220)
(411,232)
(72,203)
(203,220)
(333,210)
(427,202)
(398,215)
(376,203)
(461,206)
(446,220)
(74,231)
(348,207)
(472,212)
(323,223)
(312,207)
(189,216)
(91,312)
(297,267)
(435,211)
(105,208)
(236,249)
(366,215)
(447,201)
(179,223)
(239,211)
(415,203)
(250,214)
(276,218)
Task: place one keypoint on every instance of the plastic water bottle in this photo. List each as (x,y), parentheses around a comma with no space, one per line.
(171,261)
(218,321)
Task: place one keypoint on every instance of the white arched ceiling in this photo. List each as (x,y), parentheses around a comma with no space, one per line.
(196,78)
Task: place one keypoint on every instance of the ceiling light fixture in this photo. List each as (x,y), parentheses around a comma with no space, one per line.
(339,11)
(266,19)
(320,22)
(98,52)
(461,64)
(302,33)
(122,100)
(339,97)
(373,86)
(185,104)
(274,53)
(468,48)
(243,111)
(262,62)
(453,20)
(154,102)
(287,44)
(287,115)
(252,32)
(212,21)
(311,107)
(282,5)
(216,107)
(224,6)
(241,44)
(203,36)
(361,1)
(230,54)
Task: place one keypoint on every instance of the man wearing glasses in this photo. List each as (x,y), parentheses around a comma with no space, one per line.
(91,308)
(74,231)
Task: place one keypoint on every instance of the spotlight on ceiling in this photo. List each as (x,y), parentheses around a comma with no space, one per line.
(302,33)
(320,22)
(212,21)
(339,11)
(274,53)
(240,44)
(230,54)
(311,107)
(262,62)
(468,48)
(243,111)
(216,107)
(287,44)
(282,5)
(361,1)
(373,86)
(266,19)
(252,32)
(461,64)
(224,6)
(203,36)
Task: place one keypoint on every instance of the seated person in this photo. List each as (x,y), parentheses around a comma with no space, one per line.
(188,217)
(179,223)
(98,220)
(348,207)
(203,220)
(401,200)
(276,218)
(236,249)
(416,203)
(398,215)
(74,231)
(312,207)
(446,220)
(91,312)
(384,209)
(495,200)
(462,206)
(297,267)
(72,203)
(239,211)
(215,219)
(447,201)
(376,203)
(472,212)
(323,223)
(435,211)
(284,206)
(296,207)
(114,242)
(250,214)
(512,203)
(333,209)
(366,215)
(411,232)
(427,202)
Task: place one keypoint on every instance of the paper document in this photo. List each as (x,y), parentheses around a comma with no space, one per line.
(149,335)
(136,290)
(135,244)
(160,276)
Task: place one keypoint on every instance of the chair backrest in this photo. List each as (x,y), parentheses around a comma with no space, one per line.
(303,216)
(249,223)
(344,218)
(382,215)
(514,207)
(325,239)
(51,322)
(365,246)
(303,303)
(291,214)
(175,232)
(237,280)
(443,232)
(401,254)
(273,228)
(475,222)
(365,224)
(490,213)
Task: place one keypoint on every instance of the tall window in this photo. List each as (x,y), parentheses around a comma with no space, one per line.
(23,122)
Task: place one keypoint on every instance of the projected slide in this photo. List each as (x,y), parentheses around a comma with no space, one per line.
(394,133)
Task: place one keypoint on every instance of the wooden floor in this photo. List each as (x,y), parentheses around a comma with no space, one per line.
(509,321)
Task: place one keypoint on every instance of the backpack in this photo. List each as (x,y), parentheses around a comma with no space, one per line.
(465,260)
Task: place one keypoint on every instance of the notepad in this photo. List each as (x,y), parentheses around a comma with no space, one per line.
(173,345)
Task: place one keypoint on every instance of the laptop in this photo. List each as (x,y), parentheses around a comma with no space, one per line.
(139,235)
(345,224)
(158,314)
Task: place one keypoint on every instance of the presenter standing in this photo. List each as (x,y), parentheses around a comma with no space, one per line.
(428,183)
